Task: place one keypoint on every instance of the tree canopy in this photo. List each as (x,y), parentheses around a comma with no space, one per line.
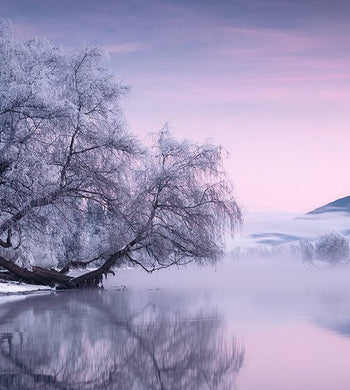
(77,188)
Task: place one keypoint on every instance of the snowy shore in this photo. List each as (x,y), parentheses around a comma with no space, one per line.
(7,288)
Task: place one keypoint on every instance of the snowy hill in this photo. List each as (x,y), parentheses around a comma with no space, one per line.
(341,205)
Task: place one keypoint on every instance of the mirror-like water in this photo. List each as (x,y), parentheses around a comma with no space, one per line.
(246,326)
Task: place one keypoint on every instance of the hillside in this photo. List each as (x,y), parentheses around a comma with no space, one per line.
(340,205)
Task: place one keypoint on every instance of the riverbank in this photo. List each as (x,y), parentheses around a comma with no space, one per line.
(10,288)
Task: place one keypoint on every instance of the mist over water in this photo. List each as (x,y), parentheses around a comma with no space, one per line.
(291,225)
(269,286)
(293,319)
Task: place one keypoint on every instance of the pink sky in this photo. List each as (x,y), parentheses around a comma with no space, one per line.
(268,80)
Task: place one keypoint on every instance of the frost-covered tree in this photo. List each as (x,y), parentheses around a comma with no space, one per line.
(306,249)
(332,248)
(77,188)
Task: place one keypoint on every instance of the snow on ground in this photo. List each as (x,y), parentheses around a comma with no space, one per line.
(20,288)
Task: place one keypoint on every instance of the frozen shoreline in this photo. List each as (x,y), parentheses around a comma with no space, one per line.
(11,288)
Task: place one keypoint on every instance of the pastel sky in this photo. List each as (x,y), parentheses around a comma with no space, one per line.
(267,79)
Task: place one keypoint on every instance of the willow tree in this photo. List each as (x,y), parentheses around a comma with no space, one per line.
(77,188)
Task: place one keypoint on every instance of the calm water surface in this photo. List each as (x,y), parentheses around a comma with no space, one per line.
(253,325)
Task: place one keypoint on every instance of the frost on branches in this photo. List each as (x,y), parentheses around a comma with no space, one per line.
(76,188)
(332,248)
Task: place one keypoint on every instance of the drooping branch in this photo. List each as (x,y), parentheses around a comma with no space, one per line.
(35,203)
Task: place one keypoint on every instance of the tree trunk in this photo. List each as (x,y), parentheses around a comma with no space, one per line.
(23,274)
(94,278)
(53,278)
(7,276)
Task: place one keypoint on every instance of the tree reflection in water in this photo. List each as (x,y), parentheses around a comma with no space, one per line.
(97,340)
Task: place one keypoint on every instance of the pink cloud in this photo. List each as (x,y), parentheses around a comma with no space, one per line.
(121,48)
(265,38)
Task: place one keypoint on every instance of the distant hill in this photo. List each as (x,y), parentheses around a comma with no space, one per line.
(333,216)
(273,238)
(340,205)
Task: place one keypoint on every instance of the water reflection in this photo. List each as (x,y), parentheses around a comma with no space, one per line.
(335,315)
(106,340)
